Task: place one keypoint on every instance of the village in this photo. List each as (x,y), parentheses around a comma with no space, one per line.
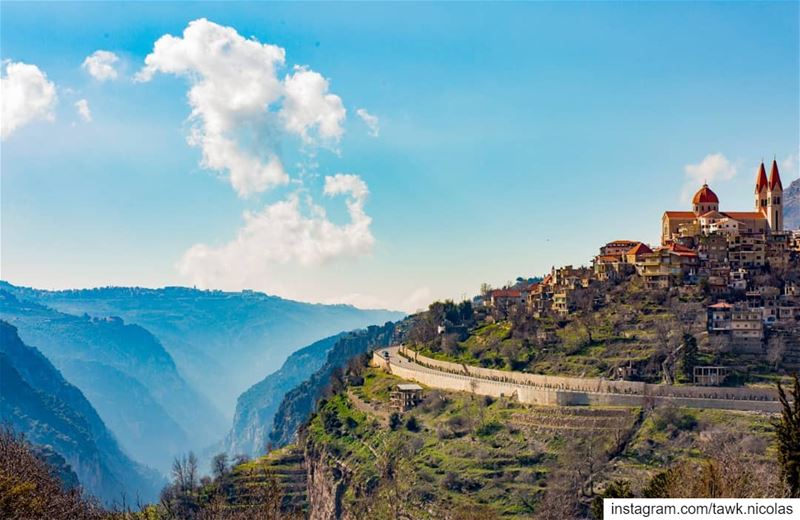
(744,263)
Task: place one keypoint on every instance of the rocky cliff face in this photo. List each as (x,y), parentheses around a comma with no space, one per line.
(299,403)
(127,375)
(255,409)
(325,486)
(36,400)
(791,206)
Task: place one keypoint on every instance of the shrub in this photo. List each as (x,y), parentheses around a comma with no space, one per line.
(394,421)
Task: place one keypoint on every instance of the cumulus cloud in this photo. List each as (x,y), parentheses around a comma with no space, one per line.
(282,233)
(83,110)
(372,122)
(101,65)
(240,105)
(713,168)
(27,95)
(308,106)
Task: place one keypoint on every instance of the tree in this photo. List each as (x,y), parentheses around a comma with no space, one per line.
(689,355)
(787,430)
(219,465)
(29,489)
(616,489)
(776,349)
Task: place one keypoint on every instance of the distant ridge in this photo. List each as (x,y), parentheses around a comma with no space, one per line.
(791,205)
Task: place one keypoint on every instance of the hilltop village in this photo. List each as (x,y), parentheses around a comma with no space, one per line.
(741,266)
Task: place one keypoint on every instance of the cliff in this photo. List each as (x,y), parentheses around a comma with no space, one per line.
(255,409)
(36,400)
(298,404)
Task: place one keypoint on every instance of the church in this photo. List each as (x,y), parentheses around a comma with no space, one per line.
(706,218)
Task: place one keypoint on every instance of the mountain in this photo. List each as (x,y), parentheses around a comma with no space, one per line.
(791,205)
(298,404)
(222,342)
(36,400)
(127,375)
(255,409)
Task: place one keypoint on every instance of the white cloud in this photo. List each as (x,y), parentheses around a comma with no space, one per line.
(27,95)
(100,65)
(713,168)
(372,122)
(240,104)
(789,166)
(417,300)
(283,233)
(309,105)
(83,110)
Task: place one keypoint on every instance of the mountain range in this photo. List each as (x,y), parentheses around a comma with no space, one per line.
(37,400)
(221,342)
(791,205)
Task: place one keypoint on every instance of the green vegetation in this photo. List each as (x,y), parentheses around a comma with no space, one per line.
(456,451)
(788,433)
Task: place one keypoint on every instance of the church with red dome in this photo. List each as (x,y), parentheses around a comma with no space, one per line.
(705,216)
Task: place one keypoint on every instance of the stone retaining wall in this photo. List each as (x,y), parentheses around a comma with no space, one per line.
(532,389)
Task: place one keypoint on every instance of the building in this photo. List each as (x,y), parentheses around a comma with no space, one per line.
(405,396)
(719,318)
(746,324)
(705,216)
(710,376)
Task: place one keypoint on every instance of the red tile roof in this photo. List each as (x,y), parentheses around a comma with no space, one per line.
(761,178)
(680,214)
(705,196)
(775,177)
(720,305)
(744,215)
(639,249)
(505,293)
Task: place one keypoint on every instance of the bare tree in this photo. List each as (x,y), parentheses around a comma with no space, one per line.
(776,350)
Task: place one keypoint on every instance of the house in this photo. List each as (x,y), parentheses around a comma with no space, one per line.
(405,396)
(746,324)
(637,253)
(505,298)
(719,318)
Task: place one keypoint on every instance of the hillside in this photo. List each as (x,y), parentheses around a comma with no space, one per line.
(127,375)
(36,400)
(298,404)
(791,205)
(222,342)
(255,409)
(459,455)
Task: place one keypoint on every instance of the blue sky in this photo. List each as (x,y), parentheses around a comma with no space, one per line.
(513,137)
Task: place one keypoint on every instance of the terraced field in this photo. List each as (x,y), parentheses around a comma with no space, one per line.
(281,473)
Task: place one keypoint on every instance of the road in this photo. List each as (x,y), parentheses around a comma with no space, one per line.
(533,389)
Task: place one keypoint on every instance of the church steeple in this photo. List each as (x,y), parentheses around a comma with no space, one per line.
(775,177)
(774,208)
(761,178)
(761,189)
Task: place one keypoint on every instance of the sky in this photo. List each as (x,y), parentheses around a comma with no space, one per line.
(377,154)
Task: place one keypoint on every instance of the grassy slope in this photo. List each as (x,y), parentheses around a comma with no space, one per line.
(470,453)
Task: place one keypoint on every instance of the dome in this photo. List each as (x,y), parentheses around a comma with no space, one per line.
(705,196)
